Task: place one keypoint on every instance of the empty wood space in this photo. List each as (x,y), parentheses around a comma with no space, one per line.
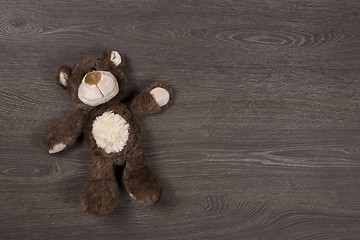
(262,139)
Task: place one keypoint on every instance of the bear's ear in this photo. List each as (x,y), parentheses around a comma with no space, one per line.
(114,57)
(62,76)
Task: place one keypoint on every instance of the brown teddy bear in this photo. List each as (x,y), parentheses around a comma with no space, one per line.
(95,86)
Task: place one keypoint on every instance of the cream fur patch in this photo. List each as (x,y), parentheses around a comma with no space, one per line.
(63,78)
(57,148)
(111,132)
(115,58)
(161,96)
(132,196)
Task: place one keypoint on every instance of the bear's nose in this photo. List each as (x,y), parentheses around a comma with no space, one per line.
(93,78)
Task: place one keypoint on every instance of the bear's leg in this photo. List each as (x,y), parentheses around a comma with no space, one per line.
(101,192)
(140,182)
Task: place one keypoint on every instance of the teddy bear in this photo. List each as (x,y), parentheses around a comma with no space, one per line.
(96,86)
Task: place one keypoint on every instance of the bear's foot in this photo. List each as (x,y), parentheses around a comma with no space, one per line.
(99,197)
(143,186)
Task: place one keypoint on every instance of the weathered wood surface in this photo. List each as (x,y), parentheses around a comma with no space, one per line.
(262,140)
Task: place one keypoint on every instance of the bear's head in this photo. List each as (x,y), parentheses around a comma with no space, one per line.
(94,80)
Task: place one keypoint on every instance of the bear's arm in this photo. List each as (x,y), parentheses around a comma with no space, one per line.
(151,100)
(64,133)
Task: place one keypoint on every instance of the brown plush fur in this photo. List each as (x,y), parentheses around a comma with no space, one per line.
(100,193)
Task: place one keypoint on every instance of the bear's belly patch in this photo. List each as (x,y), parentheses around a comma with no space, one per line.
(110,132)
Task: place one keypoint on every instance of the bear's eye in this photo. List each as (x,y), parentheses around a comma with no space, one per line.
(93,69)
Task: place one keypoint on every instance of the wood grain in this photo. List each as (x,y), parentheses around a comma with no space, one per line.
(260,142)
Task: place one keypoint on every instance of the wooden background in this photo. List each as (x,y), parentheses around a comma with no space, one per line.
(262,140)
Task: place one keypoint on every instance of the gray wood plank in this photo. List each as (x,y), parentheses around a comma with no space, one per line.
(260,142)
